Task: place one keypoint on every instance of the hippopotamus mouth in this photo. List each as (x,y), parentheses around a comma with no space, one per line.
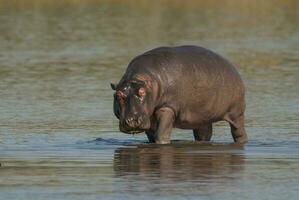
(129,129)
(134,126)
(135,131)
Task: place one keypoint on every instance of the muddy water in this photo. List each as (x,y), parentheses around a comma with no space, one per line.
(59,138)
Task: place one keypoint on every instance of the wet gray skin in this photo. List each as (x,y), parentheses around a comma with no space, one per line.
(186,87)
(59,138)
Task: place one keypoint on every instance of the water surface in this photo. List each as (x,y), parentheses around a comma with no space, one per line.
(59,138)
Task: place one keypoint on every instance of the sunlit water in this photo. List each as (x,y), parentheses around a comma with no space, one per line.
(60,140)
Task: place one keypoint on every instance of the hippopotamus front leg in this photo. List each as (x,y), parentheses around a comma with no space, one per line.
(150,136)
(165,118)
(203,133)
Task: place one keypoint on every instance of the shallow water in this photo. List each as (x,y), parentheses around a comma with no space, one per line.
(59,138)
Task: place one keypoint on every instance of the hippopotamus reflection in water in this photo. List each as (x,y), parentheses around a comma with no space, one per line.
(186,87)
(181,161)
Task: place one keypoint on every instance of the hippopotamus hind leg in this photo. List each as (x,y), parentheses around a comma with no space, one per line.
(203,133)
(237,129)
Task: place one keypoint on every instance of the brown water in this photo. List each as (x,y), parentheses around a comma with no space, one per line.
(59,138)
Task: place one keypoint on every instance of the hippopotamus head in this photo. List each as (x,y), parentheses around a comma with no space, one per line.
(132,106)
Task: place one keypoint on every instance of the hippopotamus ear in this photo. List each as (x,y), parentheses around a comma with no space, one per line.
(113,86)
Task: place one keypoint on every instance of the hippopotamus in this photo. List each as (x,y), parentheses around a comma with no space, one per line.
(187,87)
